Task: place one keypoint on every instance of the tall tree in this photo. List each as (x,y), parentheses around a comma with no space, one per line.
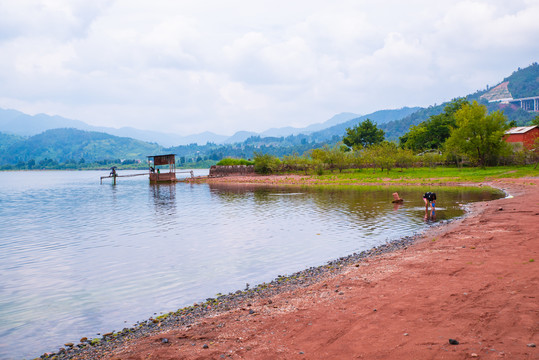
(478,135)
(432,133)
(364,134)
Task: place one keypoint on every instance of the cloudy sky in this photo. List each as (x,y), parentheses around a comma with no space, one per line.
(223,66)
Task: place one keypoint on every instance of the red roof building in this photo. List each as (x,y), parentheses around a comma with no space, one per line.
(525,135)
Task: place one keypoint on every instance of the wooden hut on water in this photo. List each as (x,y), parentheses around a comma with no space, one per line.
(156,176)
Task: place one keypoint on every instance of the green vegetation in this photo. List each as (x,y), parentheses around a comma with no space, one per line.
(523,82)
(364,134)
(266,164)
(432,133)
(427,175)
(478,136)
(466,134)
(233,161)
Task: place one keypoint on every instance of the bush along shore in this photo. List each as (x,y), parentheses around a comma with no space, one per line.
(97,348)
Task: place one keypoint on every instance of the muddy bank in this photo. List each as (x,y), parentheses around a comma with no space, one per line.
(474,280)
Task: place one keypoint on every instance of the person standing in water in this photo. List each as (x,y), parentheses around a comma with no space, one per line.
(429,197)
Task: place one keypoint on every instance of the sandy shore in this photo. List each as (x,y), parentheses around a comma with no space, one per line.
(475,280)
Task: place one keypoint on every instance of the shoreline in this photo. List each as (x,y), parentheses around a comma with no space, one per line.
(149,337)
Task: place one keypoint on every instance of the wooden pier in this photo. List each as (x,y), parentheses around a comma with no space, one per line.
(117,176)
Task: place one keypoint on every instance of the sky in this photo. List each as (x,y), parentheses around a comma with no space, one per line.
(186,67)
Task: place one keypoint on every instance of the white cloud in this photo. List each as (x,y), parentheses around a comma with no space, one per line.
(238,65)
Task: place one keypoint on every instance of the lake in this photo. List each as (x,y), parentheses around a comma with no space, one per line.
(78,258)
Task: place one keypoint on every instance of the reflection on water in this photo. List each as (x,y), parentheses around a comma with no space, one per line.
(77,258)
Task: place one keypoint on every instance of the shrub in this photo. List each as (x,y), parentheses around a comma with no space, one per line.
(232,161)
(266,163)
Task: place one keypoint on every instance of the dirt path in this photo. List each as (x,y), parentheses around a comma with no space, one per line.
(475,281)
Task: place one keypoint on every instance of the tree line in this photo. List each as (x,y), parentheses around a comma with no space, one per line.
(463,134)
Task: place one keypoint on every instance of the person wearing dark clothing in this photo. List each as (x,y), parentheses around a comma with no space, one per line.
(429,197)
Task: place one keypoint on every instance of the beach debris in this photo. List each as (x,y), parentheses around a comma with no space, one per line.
(531,345)
(164,341)
(453,342)
(205,346)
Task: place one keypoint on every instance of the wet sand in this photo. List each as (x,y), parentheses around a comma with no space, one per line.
(475,280)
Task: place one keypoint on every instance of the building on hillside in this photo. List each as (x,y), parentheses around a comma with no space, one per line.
(524,135)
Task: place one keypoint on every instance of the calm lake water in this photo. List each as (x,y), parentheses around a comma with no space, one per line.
(78,258)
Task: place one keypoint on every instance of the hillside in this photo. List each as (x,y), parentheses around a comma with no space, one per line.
(7,140)
(524,82)
(379,117)
(65,145)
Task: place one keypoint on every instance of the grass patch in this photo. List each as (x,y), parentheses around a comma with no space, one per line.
(431,175)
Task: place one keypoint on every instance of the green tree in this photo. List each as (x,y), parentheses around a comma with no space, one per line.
(535,121)
(266,163)
(337,158)
(364,134)
(381,155)
(478,135)
(432,133)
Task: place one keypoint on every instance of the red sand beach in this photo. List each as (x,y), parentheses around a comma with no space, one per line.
(475,280)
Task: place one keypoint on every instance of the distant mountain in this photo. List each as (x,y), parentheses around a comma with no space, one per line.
(18,123)
(71,144)
(378,117)
(239,137)
(165,139)
(286,131)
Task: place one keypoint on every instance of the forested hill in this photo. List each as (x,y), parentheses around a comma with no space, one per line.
(70,146)
(379,117)
(522,83)
(65,145)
